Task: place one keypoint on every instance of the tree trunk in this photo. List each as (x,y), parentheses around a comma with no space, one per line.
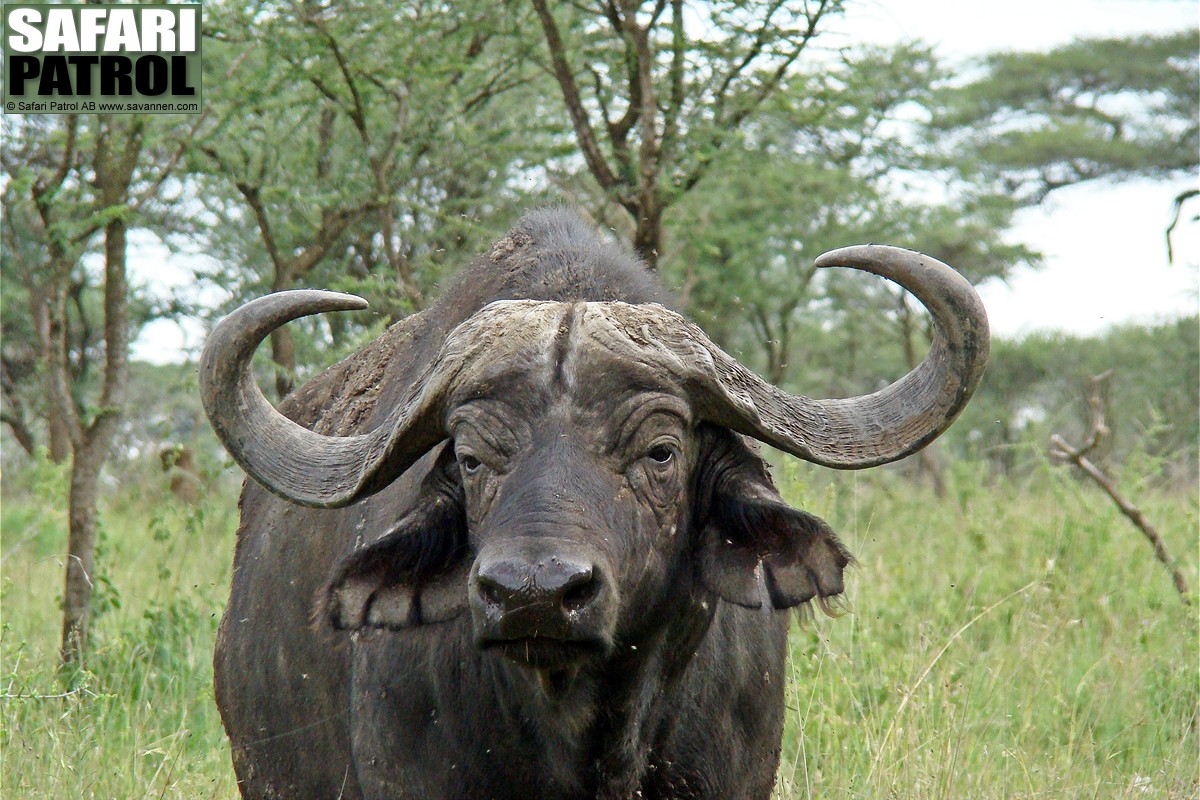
(92,448)
(647,237)
(81,554)
(20,432)
(283,353)
(60,436)
(49,321)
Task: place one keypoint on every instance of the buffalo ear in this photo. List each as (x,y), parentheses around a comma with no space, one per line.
(415,573)
(756,550)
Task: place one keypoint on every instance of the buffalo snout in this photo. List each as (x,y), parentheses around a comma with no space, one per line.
(541,608)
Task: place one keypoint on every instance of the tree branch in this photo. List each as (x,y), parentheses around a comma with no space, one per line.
(675,104)
(752,53)
(648,152)
(1177,210)
(253,199)
(1061,450)
(185,142)
(13,412)
(332,227)
(765,90)
(584,133)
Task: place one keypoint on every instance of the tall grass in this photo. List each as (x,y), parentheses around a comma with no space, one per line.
(1006,642)
(137,720)
(1003,642)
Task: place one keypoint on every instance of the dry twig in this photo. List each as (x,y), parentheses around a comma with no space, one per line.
(1061,450)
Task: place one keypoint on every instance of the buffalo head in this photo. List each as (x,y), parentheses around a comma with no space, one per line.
(592,479)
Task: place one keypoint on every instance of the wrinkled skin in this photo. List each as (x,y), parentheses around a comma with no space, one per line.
(581,593)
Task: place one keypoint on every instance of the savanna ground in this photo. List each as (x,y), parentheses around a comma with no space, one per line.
(1008,641)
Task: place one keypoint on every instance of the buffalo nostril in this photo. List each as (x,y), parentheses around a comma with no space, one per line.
(579,591)
(500,585)
(490,593)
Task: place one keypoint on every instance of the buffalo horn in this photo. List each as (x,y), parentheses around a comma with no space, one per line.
(885,426)
(850,433)
(322,471)
(290,460)
(333,471)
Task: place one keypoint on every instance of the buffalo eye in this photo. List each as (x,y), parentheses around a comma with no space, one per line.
(661,454)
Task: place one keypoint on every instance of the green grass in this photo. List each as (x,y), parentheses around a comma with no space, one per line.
(138,720)
(1012,642)
(1005,642)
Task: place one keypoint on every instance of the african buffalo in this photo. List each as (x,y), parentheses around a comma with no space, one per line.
(517,547)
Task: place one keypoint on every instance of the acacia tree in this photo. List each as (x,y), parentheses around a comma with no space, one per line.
(1096,108)
(23,406)
(358,155)
(46,216)
(655,91)
(829,162)
(75,179)
(1033,123)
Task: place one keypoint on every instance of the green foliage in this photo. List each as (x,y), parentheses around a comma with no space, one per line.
(826,164)
(375,150)
(63,183)
(350,157)
(1094,108)
(1040,385)
(713,66)
(366,148)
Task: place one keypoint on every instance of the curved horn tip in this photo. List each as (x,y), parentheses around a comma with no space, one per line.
(268,445)
(352,301)
(243,329)
(319,300)
(941,288)
(865,431)
(859,254)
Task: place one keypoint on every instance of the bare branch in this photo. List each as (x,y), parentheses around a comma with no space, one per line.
(1180,199)
(618,132)
(50,322)
(644,61)
(754,51)
(42,188)
(185,142)
(13,413)
(332,227)
(675,104)
(1062,450)
(254,199)
(772,83)
(358,114)
(584,133)
(659,7)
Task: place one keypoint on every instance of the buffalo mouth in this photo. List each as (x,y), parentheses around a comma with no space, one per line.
(545,653)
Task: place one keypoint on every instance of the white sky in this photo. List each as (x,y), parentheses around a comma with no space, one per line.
(1104,246)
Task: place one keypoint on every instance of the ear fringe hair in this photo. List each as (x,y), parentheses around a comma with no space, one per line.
(832,607)
(804,616)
